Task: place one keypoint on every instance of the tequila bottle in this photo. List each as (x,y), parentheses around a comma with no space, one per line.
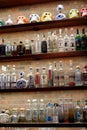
(14,116)
(50,75)
(72,41)
(55,113)
(13,77)
(20,48)
(3,77)
(2,48)
(8,77)
(30,79)
(61,74)
(78,76)
(49,42)
(44,80)
(37,78)
(60,110)
(49,112)
(83,40)
(71,110)
(9,20)
(21,82)
(34,110)
(77,112)
(22,117)
(78,41)
(71,74)
(60,41)
(38,44)
(66,40)
(43,44)
(28,113)
(32,47)
(27,49)
(42,111)
(85,111)
(8,49)
(84,76)
(55,76)
(55,41)
(14,49)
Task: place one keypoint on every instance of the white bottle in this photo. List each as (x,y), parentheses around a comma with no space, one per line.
(38,44)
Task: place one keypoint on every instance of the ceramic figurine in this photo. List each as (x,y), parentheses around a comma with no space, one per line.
(22,20)
(73,13)
(4,117)
(9,20)
(83,12)
(46,16)
(60,15)
(34,18)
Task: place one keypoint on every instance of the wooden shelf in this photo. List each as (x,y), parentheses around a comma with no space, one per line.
(43,56)
(44,125)
(44,25)
(59,88)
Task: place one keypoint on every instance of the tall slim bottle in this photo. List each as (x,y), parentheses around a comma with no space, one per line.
(55,76)
(44,79)
(8,49)
(49,42)
(78,40)
(77,112)
(50,75)
(2,48)
(38,44)
(55,41)
(66,40)
(60,41)
(37,78)
(8,77)
(85,111)
(44,44)
(78,76)
(83,40)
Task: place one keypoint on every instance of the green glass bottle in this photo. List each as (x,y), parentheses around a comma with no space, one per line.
(78,40)
(83,40)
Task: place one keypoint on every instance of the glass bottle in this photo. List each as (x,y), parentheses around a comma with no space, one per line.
(34,110)
(22,117)
(60,110)
(38,44)
(50,75)
(8,77)
(55,113)
(66,110)
(78,76)
(71,110)
(49,112)
(14,115)
(20,48)
(44,80)
(61,74)
(27,49)
(32,47)
(43,44)
(42,111)
(60,41)
(14,49)
(55,41)
(8,49)
(9,20)
(55,76)
(78,40)
(83,40)
(49,42)
(2,23)
(2,48)
(77,112)
(28,113)
(21,82)
(71,74)
(30,79)
(66,40)
(37,78)
(13,77)
(84,76)
(85,111)
(72,41)
(3,77)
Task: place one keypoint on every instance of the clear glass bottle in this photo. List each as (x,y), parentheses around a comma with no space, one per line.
(8,77)
(78,76)
(22,117)
(71,74)
(60,41)
(55,41)
(27,49)
(30,79)
(44,44)
(42,111)
(21,82)
(2,48)
(9,20)
(60,110)
(14,49)
(8,48)
(49,42)
(71,110)
(50,75)
(66,40)
(13,77)
(37,78)
(55,76)
(32,47)
(72,40)
(49,112)
(14,115)
(44,80)
(38,44)
(78,40)
(34,110)
(55,113)
(28,113)
(84,76)
(77,112)
(83,40)
(61,74)
(66,110)
(3,77)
